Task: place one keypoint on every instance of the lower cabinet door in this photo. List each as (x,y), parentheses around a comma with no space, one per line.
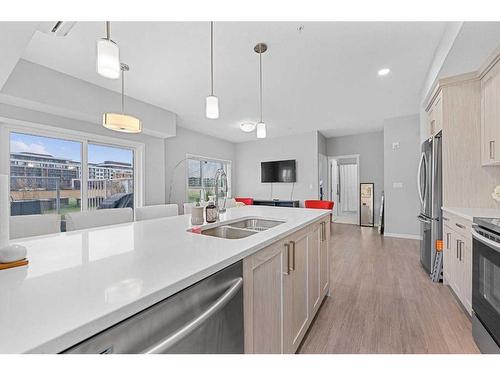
(295,295)
(262,289)
(324,259)
(313,263)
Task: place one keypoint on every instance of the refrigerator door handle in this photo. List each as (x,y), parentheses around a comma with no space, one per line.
(419,182)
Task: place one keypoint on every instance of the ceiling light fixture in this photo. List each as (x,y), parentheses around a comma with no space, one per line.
(247,127)
(261,126)
(108,56)
(384,72)
(212,102)
(121,122)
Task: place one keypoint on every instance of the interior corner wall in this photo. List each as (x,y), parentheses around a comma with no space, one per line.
(370,147)
(194,143)
(303,148)
(400,171)
(322,168)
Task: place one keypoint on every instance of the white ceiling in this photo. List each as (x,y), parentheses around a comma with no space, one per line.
(322,78)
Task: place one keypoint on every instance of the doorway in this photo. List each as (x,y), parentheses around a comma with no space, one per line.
(344,188)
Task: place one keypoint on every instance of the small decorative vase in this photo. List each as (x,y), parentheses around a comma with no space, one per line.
(211,213)
(197,215)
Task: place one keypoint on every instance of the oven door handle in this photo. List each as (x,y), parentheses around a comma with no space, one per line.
(492,244)
(178,335)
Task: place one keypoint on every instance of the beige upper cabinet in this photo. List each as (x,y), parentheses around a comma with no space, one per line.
(490,116)
(435,114)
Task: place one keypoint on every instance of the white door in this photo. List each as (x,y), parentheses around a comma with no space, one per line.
(334,185)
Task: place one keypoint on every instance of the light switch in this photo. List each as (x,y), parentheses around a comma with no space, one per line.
(395,145)
(397,185)
(310,186)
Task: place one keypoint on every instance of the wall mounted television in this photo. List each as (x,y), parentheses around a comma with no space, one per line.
(278,171)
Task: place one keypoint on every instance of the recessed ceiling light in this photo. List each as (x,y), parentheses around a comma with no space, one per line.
(384,72)
(247,127)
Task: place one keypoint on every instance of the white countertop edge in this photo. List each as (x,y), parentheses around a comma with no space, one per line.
(470,213)
(79,334)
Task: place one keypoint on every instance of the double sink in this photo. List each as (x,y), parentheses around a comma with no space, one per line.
(241,228)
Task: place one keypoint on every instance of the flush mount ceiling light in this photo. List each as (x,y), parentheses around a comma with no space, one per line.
(212,102)
(108,56)
(384,72)
(121,122)
(247,127)
(261,126)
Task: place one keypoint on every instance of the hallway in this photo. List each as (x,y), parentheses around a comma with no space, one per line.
(383,302)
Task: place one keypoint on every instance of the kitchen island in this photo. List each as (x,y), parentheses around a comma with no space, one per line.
(80,283)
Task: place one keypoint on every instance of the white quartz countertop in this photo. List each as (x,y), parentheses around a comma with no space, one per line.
(80,283)
(471,213)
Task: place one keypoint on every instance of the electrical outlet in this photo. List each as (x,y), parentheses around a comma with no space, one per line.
(397,185)
(395,145)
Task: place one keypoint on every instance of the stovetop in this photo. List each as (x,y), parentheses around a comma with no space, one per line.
(491,224)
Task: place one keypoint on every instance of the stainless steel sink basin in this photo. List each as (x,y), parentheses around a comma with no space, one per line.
(258,225)
(226,231)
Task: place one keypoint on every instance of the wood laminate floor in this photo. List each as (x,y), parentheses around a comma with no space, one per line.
(382,301)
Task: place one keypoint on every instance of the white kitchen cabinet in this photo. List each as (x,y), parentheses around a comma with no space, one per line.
(457,259)
(490,117)
(284,285)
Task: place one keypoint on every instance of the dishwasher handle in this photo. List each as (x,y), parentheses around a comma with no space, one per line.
(181,333)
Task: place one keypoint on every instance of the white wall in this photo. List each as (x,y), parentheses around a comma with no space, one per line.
(400,166)
(303,148)
(36,87)
(370,147)
(190,142)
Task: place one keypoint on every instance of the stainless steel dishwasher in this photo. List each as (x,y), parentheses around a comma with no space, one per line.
(207,317)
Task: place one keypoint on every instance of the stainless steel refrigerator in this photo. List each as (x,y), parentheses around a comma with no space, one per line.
(430,195)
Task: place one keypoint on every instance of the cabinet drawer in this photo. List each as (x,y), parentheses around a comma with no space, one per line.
(458,224)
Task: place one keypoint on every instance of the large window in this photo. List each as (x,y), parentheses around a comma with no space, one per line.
(201,177)
(64,174)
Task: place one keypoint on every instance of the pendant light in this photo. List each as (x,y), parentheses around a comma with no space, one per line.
(261,126)
(121,122)
(212,102)
(108,56)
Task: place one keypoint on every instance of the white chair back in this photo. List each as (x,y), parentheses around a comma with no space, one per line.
(33,225)
(156,211)
(98,218)
(230,202)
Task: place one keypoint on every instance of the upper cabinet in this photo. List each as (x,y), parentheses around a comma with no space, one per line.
(490,116)
(435,114)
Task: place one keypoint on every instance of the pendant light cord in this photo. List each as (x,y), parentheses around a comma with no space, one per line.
(260,83)
(108,30)
(123,91)
(211,58)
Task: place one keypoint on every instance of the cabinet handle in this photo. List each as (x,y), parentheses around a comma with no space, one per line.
(460,226)
(287,247)
(457,248)
(448,239)
(323,232)
(492,149)
(461,243)
(293,256)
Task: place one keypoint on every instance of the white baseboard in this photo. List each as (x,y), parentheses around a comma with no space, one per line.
(402,235)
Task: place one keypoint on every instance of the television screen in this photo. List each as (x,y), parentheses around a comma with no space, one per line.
(278,171)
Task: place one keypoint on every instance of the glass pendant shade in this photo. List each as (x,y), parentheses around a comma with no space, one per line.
(261,130)
(212,107)
(122,123)
(108,59)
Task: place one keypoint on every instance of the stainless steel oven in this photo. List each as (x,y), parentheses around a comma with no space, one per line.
(486,284)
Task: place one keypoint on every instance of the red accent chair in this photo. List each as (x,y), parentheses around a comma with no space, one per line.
(322,205)
(247,201)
